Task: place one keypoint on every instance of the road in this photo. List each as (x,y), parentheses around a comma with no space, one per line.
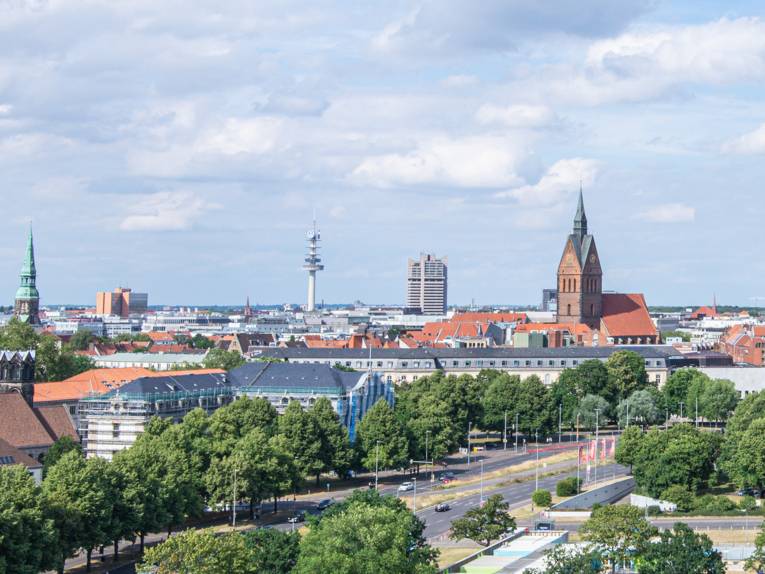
(438,523)
(388,484)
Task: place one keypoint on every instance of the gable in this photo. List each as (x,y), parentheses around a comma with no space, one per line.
(591,258)
(569,261)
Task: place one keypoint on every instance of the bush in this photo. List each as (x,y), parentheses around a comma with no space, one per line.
(680,495)
(653,510)
(747,503)
(567,487)
(542,498)
(714,504)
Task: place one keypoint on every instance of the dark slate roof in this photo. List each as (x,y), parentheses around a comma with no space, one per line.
(173,384)
(646,351)
(292,375)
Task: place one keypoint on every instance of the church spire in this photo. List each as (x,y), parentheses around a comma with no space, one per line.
(580,219)
(27,303)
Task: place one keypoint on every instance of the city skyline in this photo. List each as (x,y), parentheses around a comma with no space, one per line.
(405,128)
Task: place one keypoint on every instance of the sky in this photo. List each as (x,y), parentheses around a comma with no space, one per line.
(182,147)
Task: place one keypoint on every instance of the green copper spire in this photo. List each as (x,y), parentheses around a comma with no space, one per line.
(580,219)
(28,278)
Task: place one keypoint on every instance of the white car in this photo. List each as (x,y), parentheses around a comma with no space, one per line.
(406,487)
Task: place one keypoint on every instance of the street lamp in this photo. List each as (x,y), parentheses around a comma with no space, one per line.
(516,432)
(681,410)
(233,502)
(504,434)
(560,420)
(597,423)
(427,433)
(470,425)
(536,466)
(414,501)
(377,460)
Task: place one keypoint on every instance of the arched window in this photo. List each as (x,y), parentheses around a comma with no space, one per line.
(592,309)
(574,284)
(568,309)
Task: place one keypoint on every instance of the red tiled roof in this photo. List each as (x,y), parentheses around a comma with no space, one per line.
(705,311)
(626,315)
(93,380)
(509,317)
(160,336)
(57,422)
(19,425)
(18,456)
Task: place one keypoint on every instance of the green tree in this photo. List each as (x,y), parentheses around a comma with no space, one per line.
(498,400)
(593,409)
(681,551)
(675,390)
(58,449)
(199,552)
(747,465)
(83,501)
(681,455)
(230,423)
(272,551)
(302,433)
(220,359)
(485,523)
(542,498)
(564,392)
(380,425)
(592,378)
(626,374)
(54,363)
(680,495)
(628,445)
(756,560)
(18,336)
(640,407)
(199,341)
(751,408)
(717,400)
(564,560)
(619,530)
(335,451)
(26,535)
(365,539)
(537,412)
(568,486)
(81,340)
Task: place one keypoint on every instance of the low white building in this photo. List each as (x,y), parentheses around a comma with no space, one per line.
(156,361)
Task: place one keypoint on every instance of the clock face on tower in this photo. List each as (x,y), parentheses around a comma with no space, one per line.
(593,258)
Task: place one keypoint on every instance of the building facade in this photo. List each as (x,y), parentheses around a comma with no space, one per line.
(27,305)
(112,421)
(580,277)
(406,365)
(426,285)
(121,302)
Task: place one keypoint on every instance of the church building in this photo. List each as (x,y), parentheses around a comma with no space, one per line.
(27,306)
(607,318)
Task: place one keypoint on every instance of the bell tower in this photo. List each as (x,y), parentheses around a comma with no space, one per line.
(27,305)
(580,277)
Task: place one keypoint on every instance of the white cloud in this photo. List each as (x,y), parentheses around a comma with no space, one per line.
(516,116)
(669,213)
(166,211)
(240,136)
(459,81)
(560,181)
(478,161)
(647,64)
(749,143)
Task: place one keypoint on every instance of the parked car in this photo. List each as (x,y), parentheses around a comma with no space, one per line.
(371,484)
(749,491)
(299,516)
(443,507)
(324,504)
(406,486)
(445,480)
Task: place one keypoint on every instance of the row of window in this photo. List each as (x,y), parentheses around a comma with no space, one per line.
(478,363)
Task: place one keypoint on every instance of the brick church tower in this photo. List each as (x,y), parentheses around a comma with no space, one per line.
(580,277)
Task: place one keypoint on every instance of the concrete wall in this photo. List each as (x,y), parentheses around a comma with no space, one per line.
(601,495)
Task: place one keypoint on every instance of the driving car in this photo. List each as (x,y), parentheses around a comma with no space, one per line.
(406,486)
(324,504)
(443,507)
(299,516)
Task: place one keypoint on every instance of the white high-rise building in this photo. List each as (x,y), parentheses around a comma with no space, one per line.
(426,285)
(312,265)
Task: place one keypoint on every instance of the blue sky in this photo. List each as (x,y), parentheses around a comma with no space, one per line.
(181,147)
